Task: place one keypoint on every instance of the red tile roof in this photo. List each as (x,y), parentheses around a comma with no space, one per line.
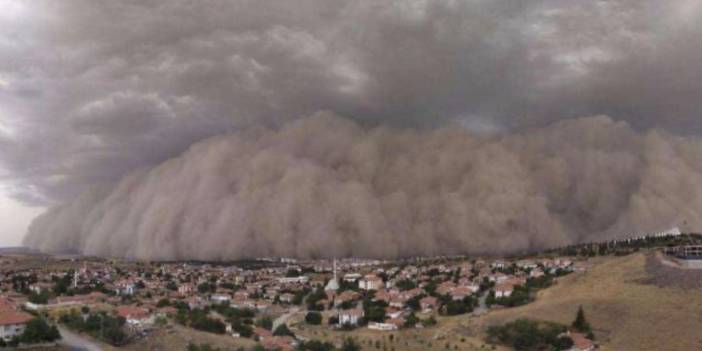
(8,317)
(581,342)
(133,312)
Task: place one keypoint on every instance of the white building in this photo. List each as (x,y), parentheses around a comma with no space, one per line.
(371,282)
(220,299)
(125,288)
(289,280)
(352,277)
(503,290)
(382,326)
(350,317)
(13,323)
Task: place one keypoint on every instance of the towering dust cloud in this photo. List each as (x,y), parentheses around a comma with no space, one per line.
(191,129)
(325,186)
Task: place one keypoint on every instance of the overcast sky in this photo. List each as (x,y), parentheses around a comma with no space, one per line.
(90,90)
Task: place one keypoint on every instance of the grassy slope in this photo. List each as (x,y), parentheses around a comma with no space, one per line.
(626,315)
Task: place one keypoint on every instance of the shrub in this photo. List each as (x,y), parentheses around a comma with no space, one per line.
(314,318)
(283,330)
(525,334)
(38,331)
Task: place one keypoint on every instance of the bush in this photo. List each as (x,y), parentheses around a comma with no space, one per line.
(316,345)
(283,330)
(208,324)
(100,326)
(41,298)
(429,322)
(38,331)
(265,323)
(524,334)
(350,345)
(314,318)
(201,347)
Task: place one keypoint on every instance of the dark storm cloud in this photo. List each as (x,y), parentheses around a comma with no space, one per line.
(90,91)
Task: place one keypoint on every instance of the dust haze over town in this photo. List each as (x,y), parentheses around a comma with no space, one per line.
(227,130)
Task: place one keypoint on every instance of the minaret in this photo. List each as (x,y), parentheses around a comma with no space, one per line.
(335,269)
(333,284)
(75,278)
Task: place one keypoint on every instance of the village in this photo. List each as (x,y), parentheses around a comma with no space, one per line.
(266,300)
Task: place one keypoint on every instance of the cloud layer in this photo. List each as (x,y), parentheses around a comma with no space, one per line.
(91,91)
(323,186)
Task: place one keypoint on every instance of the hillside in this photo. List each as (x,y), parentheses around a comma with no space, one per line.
(627,312)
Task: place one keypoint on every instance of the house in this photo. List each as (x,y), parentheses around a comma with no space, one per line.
(350,317)
(291,280)
(503,290)
(498,264)
(581,343)
(352,277)
(286,298)
(498,278)
(136,316)
(125,288)
(262,333)
(460,293)
(279,343)
(38,288)
(428,303)
(13,323)
(397,302)
(445,287)
(392,312)
(398,322)
(382,326)
(196,302)
(536,272)
(220,299)
(346,296)
(474,288)
(371,282)
(185,289)
(383,295)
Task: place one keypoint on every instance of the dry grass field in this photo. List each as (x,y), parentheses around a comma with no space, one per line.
(178,338)
(626,313)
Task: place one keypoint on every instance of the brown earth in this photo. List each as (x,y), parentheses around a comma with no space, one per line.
(625,313)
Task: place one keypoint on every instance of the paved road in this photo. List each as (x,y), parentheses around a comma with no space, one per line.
(77,342)
(482,307)
(284,318)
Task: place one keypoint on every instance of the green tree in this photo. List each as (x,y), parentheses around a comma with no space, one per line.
(316,345)
(283,330)
(313,317)
(40,298)
(265,323)
(350,344)
(580,323)
(38,330)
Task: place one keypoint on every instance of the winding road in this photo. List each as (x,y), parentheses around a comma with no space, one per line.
(76,342)
(284,318)
(482,306)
